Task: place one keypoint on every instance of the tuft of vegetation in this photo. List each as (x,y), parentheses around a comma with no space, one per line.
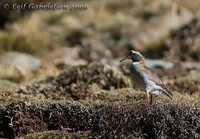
(125,120)
(75,82)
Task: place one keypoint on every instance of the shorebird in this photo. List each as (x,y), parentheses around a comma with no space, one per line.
(144,78)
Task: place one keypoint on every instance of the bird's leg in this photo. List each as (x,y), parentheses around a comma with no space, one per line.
(149,100)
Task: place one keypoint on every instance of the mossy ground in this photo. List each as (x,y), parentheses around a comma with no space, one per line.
(100,111)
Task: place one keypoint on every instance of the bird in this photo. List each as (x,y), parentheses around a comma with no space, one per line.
(144,78)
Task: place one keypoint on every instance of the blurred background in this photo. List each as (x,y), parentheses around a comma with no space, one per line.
(36,43)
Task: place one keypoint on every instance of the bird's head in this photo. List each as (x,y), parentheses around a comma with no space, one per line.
(135,57)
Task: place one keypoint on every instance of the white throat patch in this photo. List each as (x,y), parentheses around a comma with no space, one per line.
(132,51)
(135,63)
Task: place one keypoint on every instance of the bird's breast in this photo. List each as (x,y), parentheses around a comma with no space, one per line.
(137,77)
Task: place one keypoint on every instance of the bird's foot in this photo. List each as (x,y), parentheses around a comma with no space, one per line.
(147,107)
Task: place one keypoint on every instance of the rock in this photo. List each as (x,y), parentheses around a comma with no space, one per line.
(15,65)
(67,56)
(111,62)
(151,63)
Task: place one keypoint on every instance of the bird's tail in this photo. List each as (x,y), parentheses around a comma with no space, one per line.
(167,92)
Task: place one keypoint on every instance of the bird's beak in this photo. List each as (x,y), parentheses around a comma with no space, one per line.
(128,57)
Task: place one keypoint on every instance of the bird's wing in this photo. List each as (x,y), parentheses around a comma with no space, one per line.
(153,77)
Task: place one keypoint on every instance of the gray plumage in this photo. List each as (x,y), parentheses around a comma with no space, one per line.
(144,78)
(147,81)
